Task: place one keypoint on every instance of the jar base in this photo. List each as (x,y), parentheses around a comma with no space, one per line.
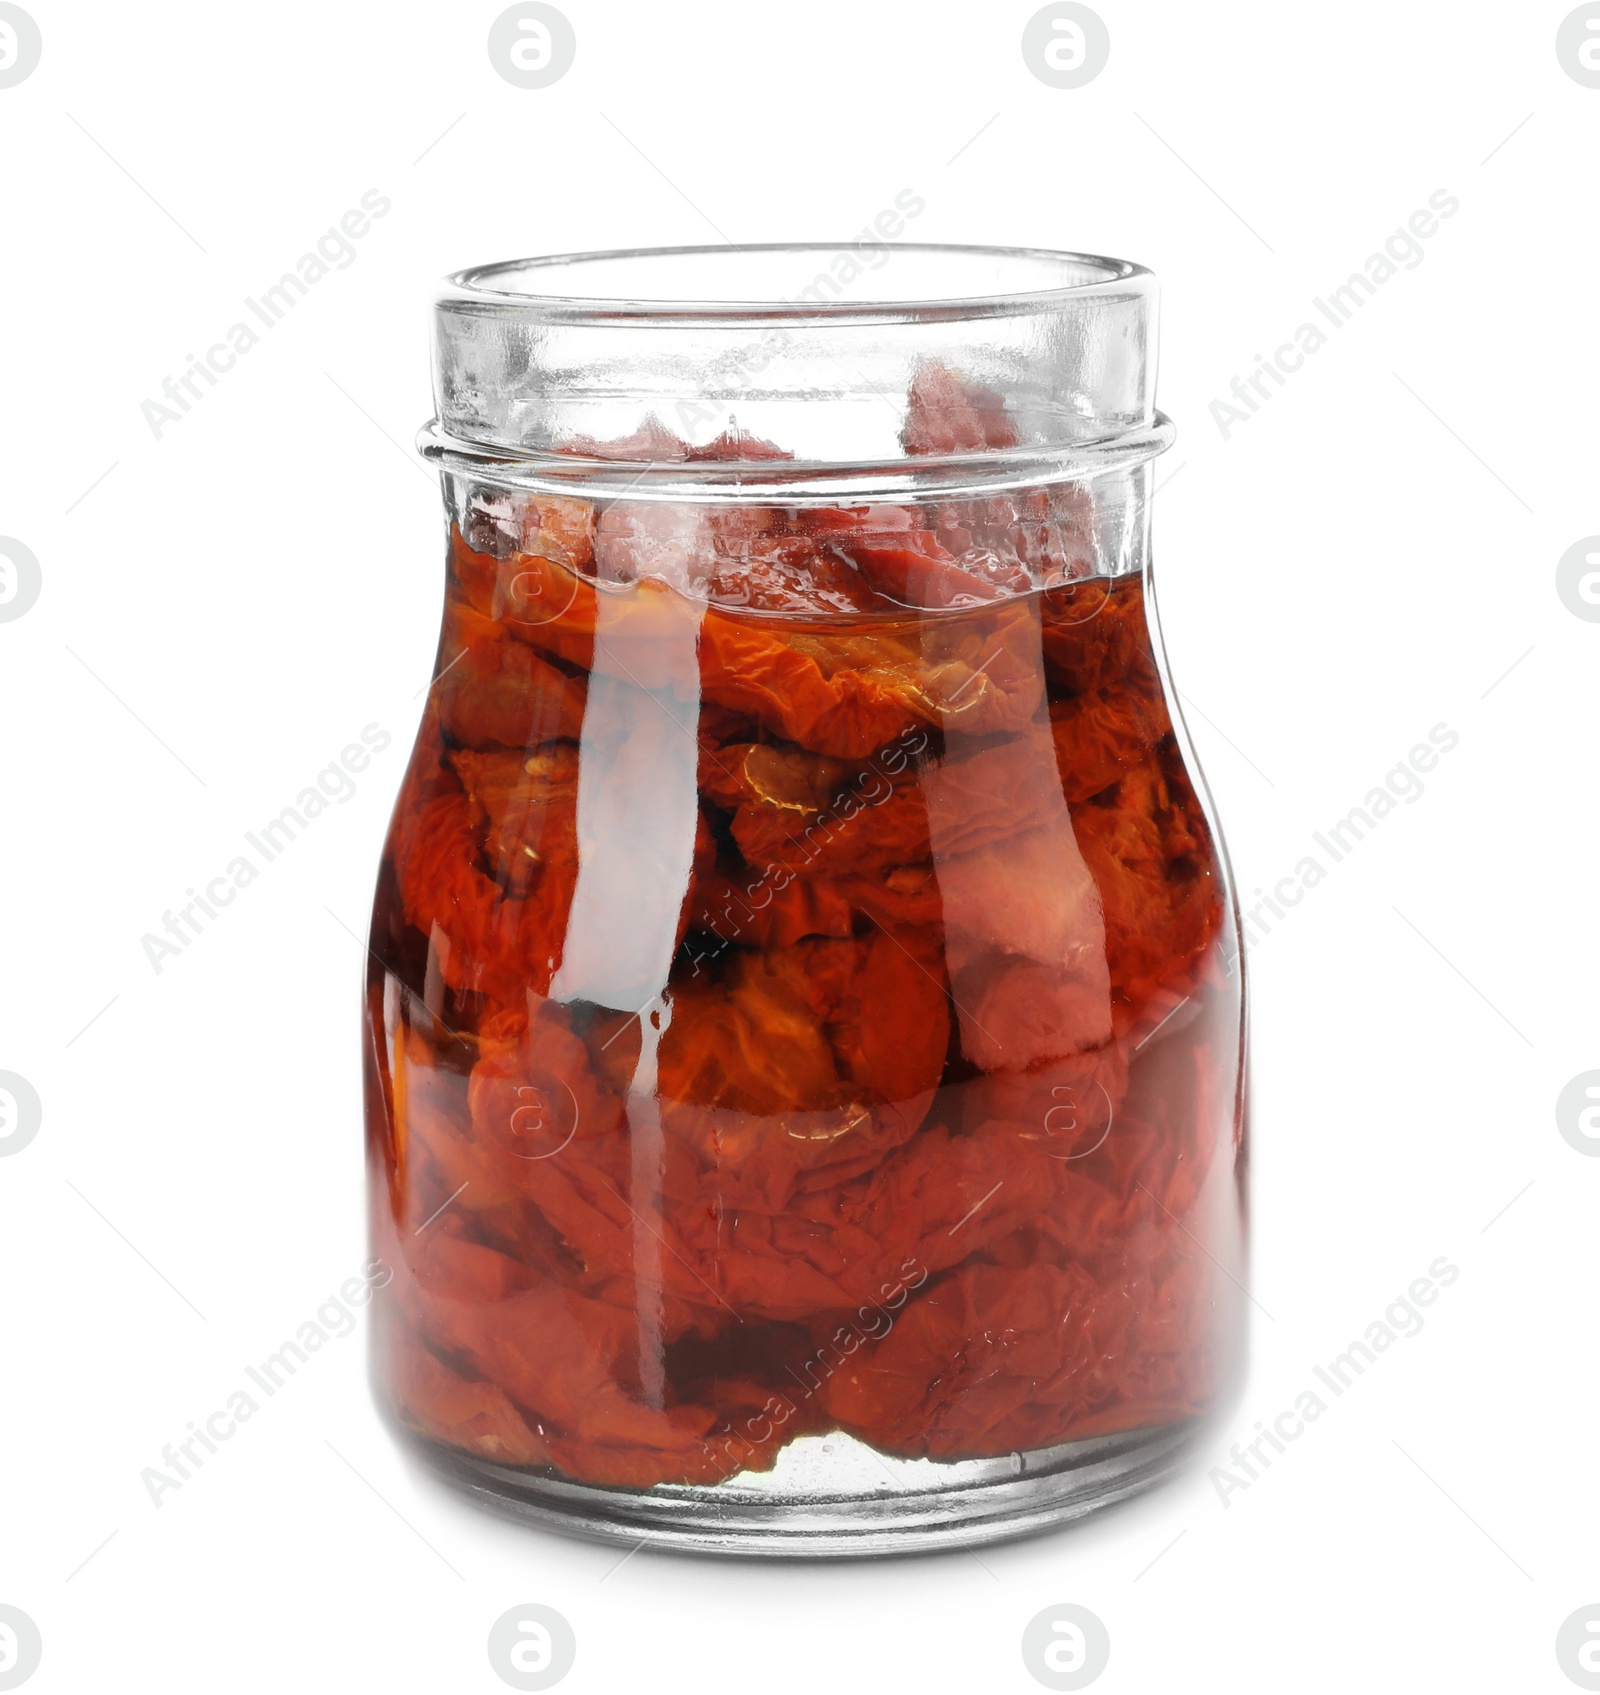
(833,1497)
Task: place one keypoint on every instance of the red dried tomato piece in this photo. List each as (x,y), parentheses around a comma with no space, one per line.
(651,441)
(753,670)
(735,443)
(966,1353)
(833,522)
(831,1245)
(455,1180)
(910,567)
(1016,1011)
(492,691)
(458,1411)
(568,1363)
(501,522)
(841,1042)
(900,554)
(484,940)
(1032,538)
(526,807)
(1026,1354)
(785,573)
(846,835)
(848,692)
(1146,844)
(945,413)
(1093,632)
(1102,734)
(539,600)
(807,813)
(777,907)
(769,909)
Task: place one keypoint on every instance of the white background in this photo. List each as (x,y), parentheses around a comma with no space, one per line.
(1368,557)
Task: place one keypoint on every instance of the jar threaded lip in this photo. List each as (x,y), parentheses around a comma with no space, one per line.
(814,354)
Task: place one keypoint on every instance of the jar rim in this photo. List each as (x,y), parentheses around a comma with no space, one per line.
(508,288)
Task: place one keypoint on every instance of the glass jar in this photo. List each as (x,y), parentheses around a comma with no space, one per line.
(805,1061)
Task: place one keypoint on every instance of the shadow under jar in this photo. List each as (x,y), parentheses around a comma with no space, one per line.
(805,1065)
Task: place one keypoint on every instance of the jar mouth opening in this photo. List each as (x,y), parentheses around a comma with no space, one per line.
(865,280)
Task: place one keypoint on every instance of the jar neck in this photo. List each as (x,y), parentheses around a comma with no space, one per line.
(717,376)
(678,358)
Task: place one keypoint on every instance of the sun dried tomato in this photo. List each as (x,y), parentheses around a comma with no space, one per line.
(494,691)
(947,414)
(925,1130)
(487,937)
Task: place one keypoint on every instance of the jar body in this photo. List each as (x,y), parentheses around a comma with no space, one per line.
(805,1051)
